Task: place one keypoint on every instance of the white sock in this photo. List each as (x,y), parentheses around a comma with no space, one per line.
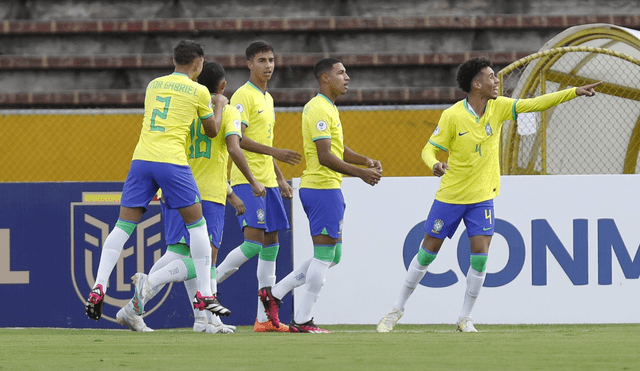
(151,291)
(201,253)
(111,250)
(214,280)
(475,280)
(231,264)
(315,280)
(176,271)
(266,277)
(296,278)
(415,273)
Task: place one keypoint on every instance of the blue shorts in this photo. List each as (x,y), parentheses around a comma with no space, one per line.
(266,213)
(325,210)
(176,231)
(179,188)
(443,219)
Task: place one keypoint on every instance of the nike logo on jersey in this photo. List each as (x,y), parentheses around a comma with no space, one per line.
(461,134)
(260,111)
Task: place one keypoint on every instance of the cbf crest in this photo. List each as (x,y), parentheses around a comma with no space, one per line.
(92,220)
(437,226)
(488,129)
(260,214)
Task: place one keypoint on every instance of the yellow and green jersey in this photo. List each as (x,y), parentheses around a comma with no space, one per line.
(208,157)
(171,104)
(473,144)
(321,120)
(258,114)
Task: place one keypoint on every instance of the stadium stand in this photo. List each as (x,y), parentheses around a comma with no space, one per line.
(86,54)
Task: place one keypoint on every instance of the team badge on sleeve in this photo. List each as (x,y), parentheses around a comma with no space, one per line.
(436,131)
(239,107)
(321,125)
(236,123)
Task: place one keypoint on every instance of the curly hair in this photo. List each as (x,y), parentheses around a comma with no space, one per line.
(468,70)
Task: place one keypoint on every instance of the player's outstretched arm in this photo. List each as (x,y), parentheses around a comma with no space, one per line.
(587,90)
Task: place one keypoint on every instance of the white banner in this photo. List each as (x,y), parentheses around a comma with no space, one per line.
(565,251)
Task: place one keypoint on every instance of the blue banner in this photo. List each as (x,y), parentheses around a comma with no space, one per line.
(51,237)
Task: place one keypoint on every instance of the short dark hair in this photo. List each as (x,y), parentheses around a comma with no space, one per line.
(468,71)
(186,51)
(256,47)
(324,65)
(211,76)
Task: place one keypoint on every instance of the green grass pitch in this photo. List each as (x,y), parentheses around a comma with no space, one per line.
(409,347)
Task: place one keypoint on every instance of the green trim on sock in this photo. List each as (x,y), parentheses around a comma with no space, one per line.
(181,249)
(250,248)
(338,254)
(425,257)
(479,262)
(126,226)
(214,274)
(191,268)
(269,253)
(198,223)
(324,252)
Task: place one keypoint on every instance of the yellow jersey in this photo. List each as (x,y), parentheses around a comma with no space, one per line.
(473,144)
(321,120)
(208,157)
(258,114)
(171,104)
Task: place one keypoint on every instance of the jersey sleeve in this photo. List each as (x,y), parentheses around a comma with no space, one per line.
(232,120)
(544,102)
(241,101)
(318,122)
(205,108)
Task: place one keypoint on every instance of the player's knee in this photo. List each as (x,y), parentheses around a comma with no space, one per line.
(479,262)
(325,253)
(426,257)
(250,248)
(338,254)
(269,253)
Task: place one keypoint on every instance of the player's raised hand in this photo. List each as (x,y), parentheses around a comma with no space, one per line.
(219,100)
(371,175)
(588,90)
(287,156)
(440,168)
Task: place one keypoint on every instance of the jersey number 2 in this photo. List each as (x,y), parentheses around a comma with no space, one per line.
(157,113)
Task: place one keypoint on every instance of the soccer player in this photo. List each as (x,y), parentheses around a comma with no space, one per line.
(208,158)
(470,131)
(159,160)
(320,193)
(265,216)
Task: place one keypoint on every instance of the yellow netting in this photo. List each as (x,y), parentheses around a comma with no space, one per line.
(596,135)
